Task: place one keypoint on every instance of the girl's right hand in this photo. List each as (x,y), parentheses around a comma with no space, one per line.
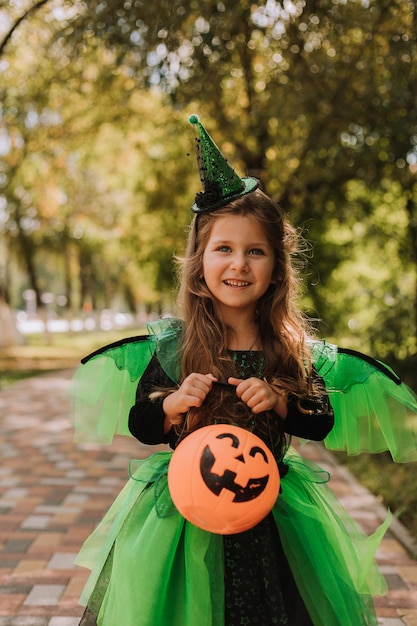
(191,393)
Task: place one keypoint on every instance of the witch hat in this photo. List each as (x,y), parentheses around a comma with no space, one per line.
(220,182)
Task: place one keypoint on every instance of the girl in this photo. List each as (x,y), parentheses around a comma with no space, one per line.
(240,356)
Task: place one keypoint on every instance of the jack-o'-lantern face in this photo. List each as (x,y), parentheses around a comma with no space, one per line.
(223,478)
(239,480)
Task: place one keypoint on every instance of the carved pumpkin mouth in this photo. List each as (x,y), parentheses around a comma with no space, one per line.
(216,482)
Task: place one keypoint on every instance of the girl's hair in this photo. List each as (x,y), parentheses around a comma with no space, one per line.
(283,328)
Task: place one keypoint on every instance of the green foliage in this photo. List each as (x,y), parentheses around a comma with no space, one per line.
(368,297)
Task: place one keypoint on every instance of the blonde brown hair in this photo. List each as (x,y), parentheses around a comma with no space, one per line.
(283,328)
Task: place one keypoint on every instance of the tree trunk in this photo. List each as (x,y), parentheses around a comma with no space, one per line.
(412,225)
(27,249)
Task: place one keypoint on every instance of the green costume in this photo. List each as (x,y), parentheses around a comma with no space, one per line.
(176,567)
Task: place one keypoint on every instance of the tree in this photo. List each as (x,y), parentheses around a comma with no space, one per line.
(77,179)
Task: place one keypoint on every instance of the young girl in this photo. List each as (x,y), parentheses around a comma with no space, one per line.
(240,355)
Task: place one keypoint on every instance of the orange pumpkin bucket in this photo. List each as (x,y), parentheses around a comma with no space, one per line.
(223,479)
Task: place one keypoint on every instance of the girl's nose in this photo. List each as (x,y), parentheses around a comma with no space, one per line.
(240,263)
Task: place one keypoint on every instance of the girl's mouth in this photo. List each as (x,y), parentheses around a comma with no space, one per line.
(236,283)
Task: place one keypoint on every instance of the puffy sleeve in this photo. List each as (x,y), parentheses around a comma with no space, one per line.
(374,410)
(103,389)
(104,386)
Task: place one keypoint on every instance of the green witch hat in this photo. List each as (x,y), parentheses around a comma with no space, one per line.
(220,182)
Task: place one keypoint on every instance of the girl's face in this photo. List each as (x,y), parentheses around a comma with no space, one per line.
(238,263)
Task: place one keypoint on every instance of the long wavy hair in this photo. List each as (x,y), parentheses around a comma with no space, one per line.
(282,327)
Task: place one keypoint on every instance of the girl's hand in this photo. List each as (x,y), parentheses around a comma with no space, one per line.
(192,392)
(259,396)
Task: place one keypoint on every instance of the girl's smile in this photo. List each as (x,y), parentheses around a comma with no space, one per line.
(238,262)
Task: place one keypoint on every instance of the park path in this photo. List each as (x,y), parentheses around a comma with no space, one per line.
(53,493)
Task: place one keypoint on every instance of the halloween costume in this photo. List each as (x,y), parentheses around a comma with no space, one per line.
(307,562)
(328,561)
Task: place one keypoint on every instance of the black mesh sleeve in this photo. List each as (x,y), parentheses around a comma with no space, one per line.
(146,417)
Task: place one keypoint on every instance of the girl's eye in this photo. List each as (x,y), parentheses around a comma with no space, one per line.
(223,249)
(257,251)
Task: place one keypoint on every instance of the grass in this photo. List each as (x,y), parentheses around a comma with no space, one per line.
(8,378)
(58,351)
(79,342)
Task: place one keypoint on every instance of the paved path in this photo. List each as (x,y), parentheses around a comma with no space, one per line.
(53,492)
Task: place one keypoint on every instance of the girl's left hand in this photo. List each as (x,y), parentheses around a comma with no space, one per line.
(259,396)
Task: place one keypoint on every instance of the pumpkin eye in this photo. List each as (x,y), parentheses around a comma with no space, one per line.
(235,440)
(258,450)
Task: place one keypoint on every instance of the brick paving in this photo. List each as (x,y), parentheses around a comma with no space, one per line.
(53,493)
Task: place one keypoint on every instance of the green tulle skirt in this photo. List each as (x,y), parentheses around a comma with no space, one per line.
(149,566)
